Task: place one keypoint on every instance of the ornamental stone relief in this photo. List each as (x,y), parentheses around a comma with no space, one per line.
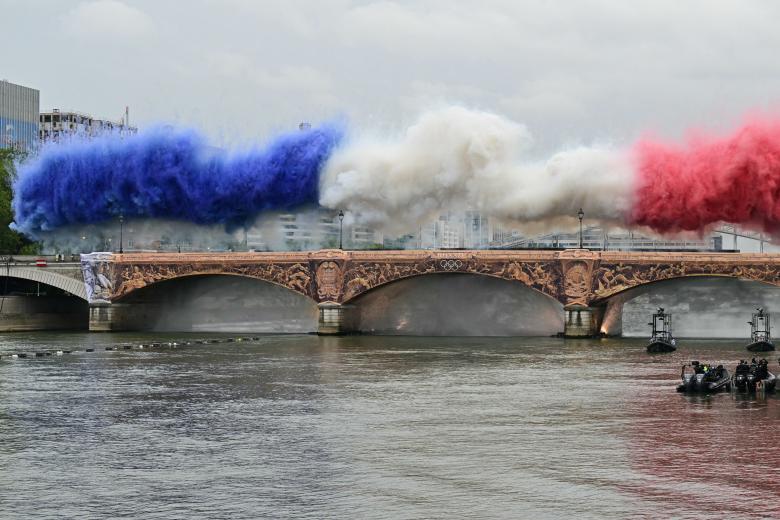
(329,280)
(571,277)
(615,277)
(131,277)
(542,276)
(577,283)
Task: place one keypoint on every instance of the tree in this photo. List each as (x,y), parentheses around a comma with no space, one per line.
(11,242)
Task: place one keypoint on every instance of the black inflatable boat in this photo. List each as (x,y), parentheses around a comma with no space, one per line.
(704,378)
(754,376)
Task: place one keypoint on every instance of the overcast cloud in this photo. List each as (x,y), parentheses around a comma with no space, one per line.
(574,72)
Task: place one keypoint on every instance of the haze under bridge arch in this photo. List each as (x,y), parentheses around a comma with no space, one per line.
(218,302)
(455,304)
(707,306)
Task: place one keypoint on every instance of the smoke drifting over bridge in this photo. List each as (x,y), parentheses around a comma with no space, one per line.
(450,159)
(168,174)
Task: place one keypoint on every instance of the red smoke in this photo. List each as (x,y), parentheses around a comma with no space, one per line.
(734,179)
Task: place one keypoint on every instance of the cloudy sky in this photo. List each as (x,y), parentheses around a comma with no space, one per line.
(574,72)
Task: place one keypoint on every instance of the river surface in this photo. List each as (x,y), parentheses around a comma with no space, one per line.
(378,427)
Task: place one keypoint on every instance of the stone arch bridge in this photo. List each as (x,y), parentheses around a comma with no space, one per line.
(589,284)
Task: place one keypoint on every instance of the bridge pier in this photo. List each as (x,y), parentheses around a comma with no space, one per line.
(335,319)
(108,317)
(581,321)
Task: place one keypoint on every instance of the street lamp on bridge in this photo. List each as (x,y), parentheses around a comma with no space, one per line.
(580,215)
(121,228)
(341,229)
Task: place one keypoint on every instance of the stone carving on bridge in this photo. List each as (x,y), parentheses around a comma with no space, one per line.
(98,272)
(613,278)
(577,283)
(364,276)
(571,277)
(542,276)
(130,277)
(329,281)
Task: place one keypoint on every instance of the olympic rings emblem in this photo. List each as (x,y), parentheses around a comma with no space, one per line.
(451,265)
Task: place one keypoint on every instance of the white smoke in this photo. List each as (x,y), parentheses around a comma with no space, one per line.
(455,158)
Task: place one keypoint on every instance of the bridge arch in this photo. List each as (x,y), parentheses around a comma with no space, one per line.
(129,278)
(713,305)
(217,302)
(455,304)
(130,293)
(52,278)
(647,285)
(542,277)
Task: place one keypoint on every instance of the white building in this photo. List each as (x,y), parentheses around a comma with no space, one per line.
(56,123)
(313,229)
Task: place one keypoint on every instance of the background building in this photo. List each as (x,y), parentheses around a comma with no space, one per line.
(472,230)
(19,108)
(56,123)
(306,230)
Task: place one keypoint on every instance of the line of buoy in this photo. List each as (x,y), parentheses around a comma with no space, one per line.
(128,346)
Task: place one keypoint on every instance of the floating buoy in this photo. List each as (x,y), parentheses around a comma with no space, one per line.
(59,352)
(22,355)
(90,350)
(255,338)
(39,354)
(140,346)
(14,356)
(128,347)
(67,351)
(109,348)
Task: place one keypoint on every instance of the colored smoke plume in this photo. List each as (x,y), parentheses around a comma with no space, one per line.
(734,179)
(164,173)
(456,158)
(450,159)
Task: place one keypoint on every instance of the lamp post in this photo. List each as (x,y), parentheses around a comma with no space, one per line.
(580,215)
(121,229)
(341,229)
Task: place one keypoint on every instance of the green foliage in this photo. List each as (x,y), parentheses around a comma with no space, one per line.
(11,242)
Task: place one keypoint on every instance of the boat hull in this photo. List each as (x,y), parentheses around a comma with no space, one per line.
(659,347)
(761,346)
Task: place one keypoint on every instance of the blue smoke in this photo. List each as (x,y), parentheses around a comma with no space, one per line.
(166,173)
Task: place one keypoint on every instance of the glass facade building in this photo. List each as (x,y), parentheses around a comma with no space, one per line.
(19,109)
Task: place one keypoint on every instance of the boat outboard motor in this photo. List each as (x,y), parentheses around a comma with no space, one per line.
(740,374)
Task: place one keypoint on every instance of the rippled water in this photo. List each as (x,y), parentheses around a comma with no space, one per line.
(378,427)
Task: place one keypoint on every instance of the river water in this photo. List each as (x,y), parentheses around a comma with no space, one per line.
(378,427)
